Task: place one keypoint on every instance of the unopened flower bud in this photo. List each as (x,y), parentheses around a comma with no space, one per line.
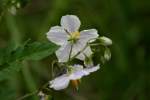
(88,62)
(12,10)
(107,54)
(105,41)
(18,5)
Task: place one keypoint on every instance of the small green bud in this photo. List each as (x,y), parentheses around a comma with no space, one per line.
(88,61)
(12,10)
(18,5)
(107,54)
(13,1)
(105,41)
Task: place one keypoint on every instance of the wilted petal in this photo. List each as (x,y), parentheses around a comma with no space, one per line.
(63,53)
(60,82)
(57,35)
(87,35)
(71,23)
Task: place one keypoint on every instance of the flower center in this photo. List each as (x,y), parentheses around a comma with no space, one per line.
(74,37)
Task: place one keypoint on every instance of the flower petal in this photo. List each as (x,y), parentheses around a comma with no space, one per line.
(77,75)
(71,23)
(77,47)
(87,35)
(57,35)
(86,53)
(77,72)
(92,69)
(77,67)
(63,53)
(60,82)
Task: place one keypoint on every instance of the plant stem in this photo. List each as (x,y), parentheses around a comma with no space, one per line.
(33,93)
(95,44)
(70,53)
(27,95)
(52,70)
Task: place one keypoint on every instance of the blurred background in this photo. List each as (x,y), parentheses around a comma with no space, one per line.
(127,22)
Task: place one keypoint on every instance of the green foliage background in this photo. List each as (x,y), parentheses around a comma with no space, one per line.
(125,77)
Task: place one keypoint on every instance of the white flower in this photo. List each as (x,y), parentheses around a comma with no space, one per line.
(77,72)
(105,41)
(68,37)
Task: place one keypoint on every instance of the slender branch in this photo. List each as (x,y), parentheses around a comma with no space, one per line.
(33,93)
(52,70)
(70,53)
(28,95)
(95,44)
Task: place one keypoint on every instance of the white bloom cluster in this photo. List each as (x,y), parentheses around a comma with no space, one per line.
(73,44)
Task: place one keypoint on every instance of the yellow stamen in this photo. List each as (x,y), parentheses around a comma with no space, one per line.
(75,83)
(75,35)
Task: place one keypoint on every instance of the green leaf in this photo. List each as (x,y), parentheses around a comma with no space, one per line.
(1,57)
(7,92)
(34,51)
(9,70)
(38,51)
(11,59)
(4,53)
